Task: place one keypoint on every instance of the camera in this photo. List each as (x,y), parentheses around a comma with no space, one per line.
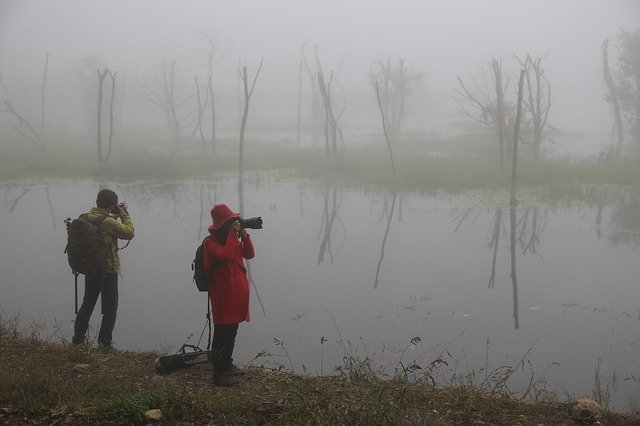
(251,223)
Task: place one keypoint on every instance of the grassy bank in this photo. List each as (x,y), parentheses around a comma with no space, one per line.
(43,382)
(454,165)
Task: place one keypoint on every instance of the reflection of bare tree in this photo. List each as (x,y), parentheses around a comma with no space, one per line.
(514,275)
(495,239)
(384,240)
(14,202)
(599,220)
(173,199)
(463,216)
(53,216)
(248,262)
(530,238)
(625,221)
(204,206)
(329,218)
(301,196)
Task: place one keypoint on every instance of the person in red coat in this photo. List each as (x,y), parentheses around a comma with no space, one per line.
(225,250)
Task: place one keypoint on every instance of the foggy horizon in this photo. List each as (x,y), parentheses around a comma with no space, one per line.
(440,39)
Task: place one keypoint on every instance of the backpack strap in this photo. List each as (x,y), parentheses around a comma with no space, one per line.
(99,220)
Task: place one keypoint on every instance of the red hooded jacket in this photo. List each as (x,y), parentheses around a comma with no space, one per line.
(229,289)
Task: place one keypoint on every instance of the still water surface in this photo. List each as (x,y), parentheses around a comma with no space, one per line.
(344,272)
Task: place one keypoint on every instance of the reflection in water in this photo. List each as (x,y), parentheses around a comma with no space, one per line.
(529,242)
(465,216)
(53,216)
(495,239)
(13,203)
(577,275)
(599,220)
(174,198)
(384,239)
(301,196)
(329,218)
(205,207)
(247,262)
(514,275)
(625,221)
(526,232)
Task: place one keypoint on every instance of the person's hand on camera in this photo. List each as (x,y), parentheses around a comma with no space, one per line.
(122,210)
(243,233)
(235,227)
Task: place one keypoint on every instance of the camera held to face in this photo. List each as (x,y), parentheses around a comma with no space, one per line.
(251,223)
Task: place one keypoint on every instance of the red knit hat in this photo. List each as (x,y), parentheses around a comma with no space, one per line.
(220,213)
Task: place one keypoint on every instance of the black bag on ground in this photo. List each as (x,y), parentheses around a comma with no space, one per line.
(183,359)
(83,249)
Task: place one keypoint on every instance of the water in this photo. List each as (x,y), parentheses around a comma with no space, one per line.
(345,272)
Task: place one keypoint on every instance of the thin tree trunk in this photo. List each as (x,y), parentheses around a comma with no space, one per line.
(299,103)
(384,129)
(516,134)
(513,203)
(247,97)
(497,71)
(111,117)
(213,117)
(44,82)
(199,121)
(243,124)
(101,77)
(330,123)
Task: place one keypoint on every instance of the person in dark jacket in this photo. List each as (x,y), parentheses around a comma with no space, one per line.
(224,258)
(105,283)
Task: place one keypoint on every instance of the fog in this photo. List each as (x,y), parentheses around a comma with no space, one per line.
(517,253)
(441,39)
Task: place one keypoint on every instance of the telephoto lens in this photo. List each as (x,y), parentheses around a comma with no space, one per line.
(251,223)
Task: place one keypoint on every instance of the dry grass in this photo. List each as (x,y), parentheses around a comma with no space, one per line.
(38,384)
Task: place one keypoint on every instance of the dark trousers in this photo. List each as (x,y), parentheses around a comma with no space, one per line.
(94,285)
(224,339)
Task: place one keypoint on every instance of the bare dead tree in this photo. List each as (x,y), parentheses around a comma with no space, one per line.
(214,141)
(299,103)
(315,109)
(497,78)
(397,84)
(384,128)
(331,123)
(112,75)
(538,100)
(513,202)
(199,116)
(216,49)
(166,96)
(516,134)
(247,98)
(612,97)
(23,126)
(101,76)
(42,92)
(483,102)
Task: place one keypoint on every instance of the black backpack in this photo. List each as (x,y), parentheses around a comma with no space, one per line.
(84,253)
(200,276)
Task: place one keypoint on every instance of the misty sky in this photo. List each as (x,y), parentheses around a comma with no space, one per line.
(441,38)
